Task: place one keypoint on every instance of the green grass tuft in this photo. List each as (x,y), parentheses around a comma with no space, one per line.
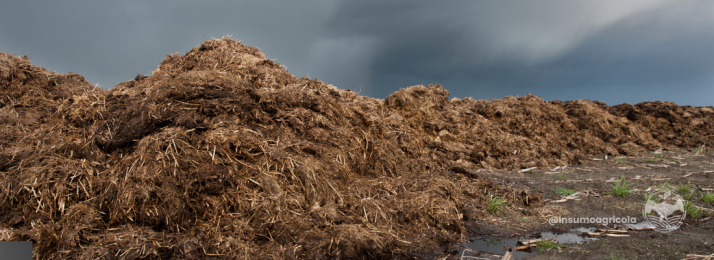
(621,188)
(689,196)
(614,257)
(708,197)
(693,212)
(684,188)
(561,176)
(542,245)
(665,186)
(622,160)
(494,202)
(563,191)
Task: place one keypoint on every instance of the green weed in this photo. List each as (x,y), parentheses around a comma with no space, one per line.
(708,197)
(494,202)
(689,196)
(665,186)
(684,188)
(493,242)
(692,211)
(614,257)
(563,191)
(561,176)
(542,245)
(621,188)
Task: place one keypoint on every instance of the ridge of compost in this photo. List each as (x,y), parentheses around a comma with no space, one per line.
(222,152)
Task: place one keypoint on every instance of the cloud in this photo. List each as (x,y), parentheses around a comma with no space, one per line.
(554,48)
(111,42)
(343,60)
(437,40)
(559,49)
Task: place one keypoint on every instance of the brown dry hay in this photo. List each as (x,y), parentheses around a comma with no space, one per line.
(222,152)
(671,124)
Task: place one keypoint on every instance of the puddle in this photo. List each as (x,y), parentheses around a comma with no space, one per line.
(487,248)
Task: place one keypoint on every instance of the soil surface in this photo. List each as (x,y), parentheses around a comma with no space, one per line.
(595,176)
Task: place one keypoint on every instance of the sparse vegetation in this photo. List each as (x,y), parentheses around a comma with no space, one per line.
(684,188)
(542,245)
(707,197)
(614,257)
(623,160)
(493,241)
(621,188)
(661,156)
(494,203)
(650,160)
(665,186)
(564,192)
(693,211)
(689,196)
(561,176)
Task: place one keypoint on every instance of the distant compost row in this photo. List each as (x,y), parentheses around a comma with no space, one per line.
(223,153)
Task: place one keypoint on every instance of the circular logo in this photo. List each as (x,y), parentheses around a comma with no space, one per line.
(664,210)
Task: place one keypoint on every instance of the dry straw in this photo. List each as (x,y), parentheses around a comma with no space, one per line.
(223,153)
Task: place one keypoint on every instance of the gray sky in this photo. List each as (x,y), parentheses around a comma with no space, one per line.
(608,50)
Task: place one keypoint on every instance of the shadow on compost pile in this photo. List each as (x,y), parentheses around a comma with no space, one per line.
(223,153)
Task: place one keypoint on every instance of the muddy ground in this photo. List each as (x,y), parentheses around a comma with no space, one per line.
(595,175)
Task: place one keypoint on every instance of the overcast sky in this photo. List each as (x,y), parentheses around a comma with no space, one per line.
(609,50)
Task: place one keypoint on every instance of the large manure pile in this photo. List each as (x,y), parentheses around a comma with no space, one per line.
(223,153)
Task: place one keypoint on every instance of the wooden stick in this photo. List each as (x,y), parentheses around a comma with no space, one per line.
(526,247)
(688,174)
(606,235)
(507,256)
(527,169)
(534,241)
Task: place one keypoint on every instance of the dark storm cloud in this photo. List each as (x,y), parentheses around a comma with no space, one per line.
(614,51)
(652,56)
(112,41)
(646,50)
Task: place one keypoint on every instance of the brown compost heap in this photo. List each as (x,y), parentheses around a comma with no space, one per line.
(223,153)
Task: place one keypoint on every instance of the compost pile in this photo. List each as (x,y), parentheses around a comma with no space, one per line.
(223,153)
